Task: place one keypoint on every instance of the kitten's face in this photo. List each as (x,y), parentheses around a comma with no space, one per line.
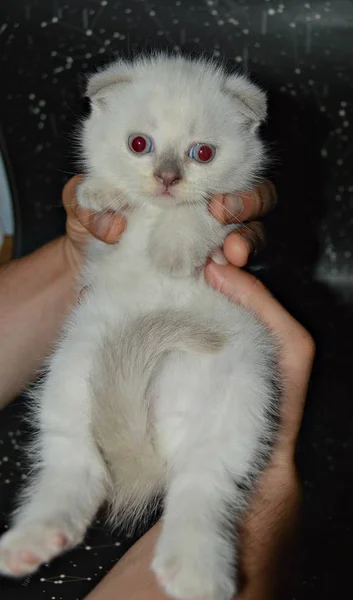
(168,131)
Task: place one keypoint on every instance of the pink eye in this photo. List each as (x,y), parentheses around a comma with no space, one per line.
(202,152)
(140,144)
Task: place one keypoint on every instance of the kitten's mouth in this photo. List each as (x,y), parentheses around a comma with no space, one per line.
(166,192)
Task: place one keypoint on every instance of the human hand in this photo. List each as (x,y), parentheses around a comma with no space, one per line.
(108,227)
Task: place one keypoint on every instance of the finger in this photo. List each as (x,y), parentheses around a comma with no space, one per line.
(244,243)
(106,227)
(244,288)
(232,208)
(69,195)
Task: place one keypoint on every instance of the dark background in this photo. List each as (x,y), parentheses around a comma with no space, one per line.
(302,53)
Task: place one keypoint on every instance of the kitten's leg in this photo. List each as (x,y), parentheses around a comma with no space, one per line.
(69,485)
(181,242)
(215,427)
(195,556)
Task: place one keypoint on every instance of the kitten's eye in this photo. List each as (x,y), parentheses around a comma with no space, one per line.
(140,144)
(202,152)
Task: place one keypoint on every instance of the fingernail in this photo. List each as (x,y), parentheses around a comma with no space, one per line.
(219,258)
(214,274)
(102,224)
(234,204)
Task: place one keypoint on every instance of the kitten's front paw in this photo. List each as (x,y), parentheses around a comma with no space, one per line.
(97,198)
(24,548)
(191,572)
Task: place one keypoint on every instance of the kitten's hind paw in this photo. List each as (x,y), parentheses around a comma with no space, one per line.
(24,548)
(184,577)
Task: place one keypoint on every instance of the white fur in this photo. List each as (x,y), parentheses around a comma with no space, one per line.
(159,384)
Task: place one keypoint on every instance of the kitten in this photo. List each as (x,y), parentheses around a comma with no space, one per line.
(159,386)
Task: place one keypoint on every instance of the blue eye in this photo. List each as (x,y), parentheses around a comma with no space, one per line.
(140,144)
(203,153)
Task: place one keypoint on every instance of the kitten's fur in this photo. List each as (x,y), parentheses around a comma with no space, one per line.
(159,385)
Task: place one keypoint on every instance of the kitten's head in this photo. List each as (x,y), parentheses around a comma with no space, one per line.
(173,130)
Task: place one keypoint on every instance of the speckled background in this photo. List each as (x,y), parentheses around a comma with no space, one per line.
(302,53)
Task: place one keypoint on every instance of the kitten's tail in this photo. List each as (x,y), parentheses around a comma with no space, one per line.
(127,363)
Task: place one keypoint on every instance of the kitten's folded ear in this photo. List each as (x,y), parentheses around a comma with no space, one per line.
(251,99)
(101,84)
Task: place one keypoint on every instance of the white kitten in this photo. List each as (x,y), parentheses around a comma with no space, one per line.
(159,385)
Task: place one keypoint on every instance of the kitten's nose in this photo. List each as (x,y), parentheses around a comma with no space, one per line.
(168,177)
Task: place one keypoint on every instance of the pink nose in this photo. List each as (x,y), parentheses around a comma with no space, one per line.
(168,177)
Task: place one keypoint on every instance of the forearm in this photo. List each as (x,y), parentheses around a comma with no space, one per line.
(36,293)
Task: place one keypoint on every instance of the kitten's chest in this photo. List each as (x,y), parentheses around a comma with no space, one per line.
(124,280)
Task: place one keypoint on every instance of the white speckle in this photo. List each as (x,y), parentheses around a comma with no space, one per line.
(307,5)
(101,50)
(128,11)
(41,102)
(31,97)
(40,125)
(58,70)
(246,31)
(343,103)
(54,20)
(220,22)
(292,25)
(5,458)
(116,34)
(345,123)
(107,42)
(53,53)
(122,37)
(310,81)
(239,59)
(7,481)
(88,547)
(233,21)
(317,17)
(176,48)
(89,32)
(271,11)
(104,3)
(322,108)
(152,13)
(117,544)
(62,576)
(324,153)
(342,113)
(217,53)
(43,24)
(339,161)
(347,254)
(42,579)
(297,71)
